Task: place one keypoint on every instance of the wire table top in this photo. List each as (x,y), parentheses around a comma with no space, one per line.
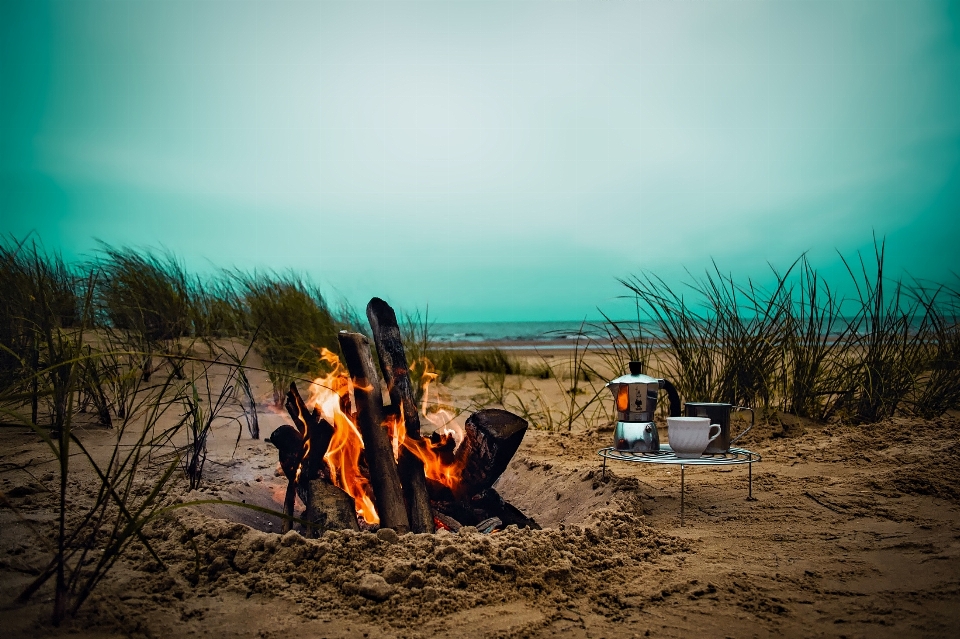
(666,456)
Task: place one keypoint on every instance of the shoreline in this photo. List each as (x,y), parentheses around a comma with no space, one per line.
(522,345)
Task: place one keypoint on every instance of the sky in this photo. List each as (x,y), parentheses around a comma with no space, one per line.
(490,160)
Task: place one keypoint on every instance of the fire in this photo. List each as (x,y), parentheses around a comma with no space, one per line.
(441,463)
(331,395)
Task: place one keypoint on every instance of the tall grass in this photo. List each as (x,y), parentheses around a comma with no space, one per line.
(813,334)
(730,346)
(797,346)
(292,322)
(938,389)
(887,350)
(136,480)
(38,299)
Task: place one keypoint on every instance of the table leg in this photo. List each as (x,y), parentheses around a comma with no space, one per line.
(681,495)
(603,473)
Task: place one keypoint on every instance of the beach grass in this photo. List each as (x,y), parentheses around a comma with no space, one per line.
(796,346)
(801,348)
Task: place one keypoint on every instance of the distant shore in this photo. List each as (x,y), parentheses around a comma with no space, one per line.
(524,345)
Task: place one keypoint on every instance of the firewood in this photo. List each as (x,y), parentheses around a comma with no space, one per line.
(491,437)
(384,477)
(316,430)
(289,501)
(448,522)
(328,507)
(393,364)
(289,443)
(489,524)
(488,504)
(492,504)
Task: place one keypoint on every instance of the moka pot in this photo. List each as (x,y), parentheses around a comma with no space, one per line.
(635,401)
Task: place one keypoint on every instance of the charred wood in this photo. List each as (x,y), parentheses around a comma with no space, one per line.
(493,505)
(475,511)
(378,450)
(316,431)
(289,444)
(393,365)
(490,524)
(327,507)
(447,522)
(491,437)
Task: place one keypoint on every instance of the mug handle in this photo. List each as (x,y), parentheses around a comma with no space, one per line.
(716,434)
(753,418)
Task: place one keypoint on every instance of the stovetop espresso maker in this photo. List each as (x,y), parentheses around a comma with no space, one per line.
(635,398)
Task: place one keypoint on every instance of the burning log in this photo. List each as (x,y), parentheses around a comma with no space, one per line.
(491,437)
(480,508)
(328,507)
(325,505)
(377,448)
(316,433)
(393,364)
(446,522)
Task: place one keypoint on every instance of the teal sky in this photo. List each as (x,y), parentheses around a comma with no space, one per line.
(496,159)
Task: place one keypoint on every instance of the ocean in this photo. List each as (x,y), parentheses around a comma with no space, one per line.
(540,333)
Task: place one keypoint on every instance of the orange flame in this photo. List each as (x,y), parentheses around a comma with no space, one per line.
(332,395)
(441,463)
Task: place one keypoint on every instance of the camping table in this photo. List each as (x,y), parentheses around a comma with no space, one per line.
(667,456)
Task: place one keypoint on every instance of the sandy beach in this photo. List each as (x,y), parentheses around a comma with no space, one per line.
(853,532)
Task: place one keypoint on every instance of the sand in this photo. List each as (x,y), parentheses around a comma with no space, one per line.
(855,531)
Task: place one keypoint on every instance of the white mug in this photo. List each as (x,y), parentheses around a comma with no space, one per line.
(689,436)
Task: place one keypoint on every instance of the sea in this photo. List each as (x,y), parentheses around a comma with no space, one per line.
(516,335)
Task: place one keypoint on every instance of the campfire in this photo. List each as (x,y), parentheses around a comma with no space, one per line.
(357,459)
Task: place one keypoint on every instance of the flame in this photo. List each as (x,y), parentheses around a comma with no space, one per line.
(332,396)
(441,463)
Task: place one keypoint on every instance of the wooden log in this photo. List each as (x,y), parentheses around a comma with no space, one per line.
(376,443)
(393,360)
(393,364)
(289,443)
(493,505)
(315,430)
(491,437)
(289,501)
(489,524)
(447,522)
(478,509)
(327,507)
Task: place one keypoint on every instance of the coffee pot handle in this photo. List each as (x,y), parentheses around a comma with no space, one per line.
(753,418)
(673,396)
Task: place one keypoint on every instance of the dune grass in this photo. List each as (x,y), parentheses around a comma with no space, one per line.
(801,348)
(291,322)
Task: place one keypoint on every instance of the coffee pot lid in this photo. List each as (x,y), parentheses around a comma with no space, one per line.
(635,376)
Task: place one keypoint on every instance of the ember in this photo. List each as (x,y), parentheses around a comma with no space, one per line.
(346,445)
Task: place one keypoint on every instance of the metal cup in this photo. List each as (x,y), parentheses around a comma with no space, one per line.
(718,413)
